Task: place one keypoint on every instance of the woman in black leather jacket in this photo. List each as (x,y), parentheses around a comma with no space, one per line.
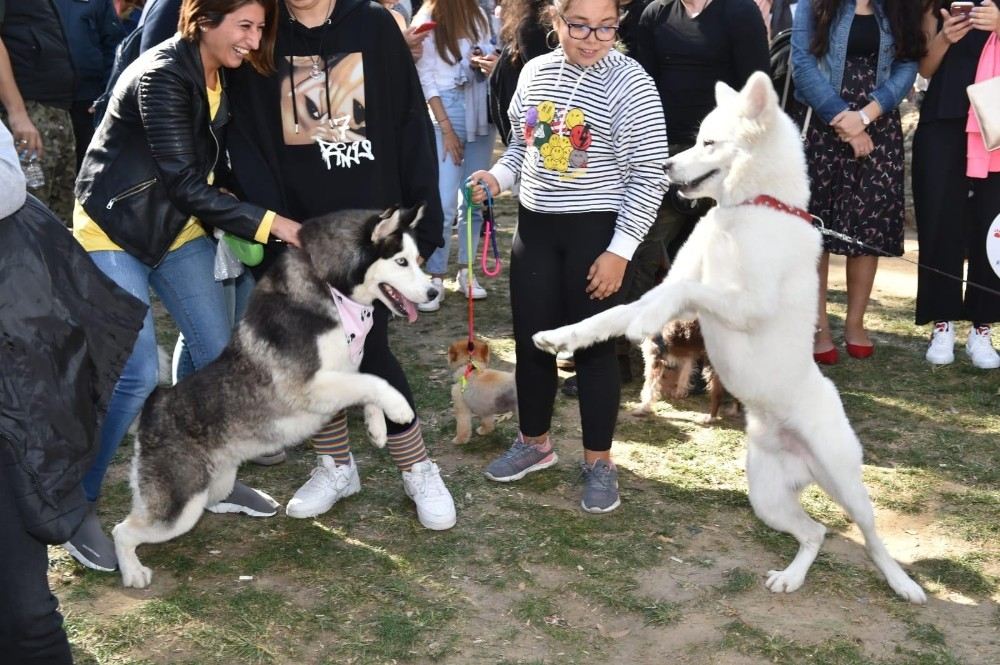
(145,188)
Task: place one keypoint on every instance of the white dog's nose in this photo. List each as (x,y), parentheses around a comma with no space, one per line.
(432,293)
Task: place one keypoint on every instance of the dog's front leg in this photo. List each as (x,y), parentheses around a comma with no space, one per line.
(332,391)
(463,417)
(655,309)
(741,310)
(375,424)
(609,323)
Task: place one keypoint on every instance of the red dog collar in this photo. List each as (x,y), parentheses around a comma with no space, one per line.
(771,202)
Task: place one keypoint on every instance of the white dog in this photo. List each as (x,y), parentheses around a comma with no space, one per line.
(748,273)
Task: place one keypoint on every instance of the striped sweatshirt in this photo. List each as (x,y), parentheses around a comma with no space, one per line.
(588,139)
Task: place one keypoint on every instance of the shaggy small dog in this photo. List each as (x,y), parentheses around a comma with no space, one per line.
(669,361)
(478,390)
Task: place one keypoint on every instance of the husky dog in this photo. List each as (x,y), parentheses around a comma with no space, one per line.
(288,368)
(748,273)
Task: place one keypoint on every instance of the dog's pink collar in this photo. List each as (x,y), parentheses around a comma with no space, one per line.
(771,202)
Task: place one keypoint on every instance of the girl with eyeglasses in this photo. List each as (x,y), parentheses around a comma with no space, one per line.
(588,148)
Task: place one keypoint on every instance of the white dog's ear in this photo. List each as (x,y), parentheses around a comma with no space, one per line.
(387,226)
(723,93)
(758,95)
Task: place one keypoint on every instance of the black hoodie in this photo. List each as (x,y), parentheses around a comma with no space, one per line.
(289,153)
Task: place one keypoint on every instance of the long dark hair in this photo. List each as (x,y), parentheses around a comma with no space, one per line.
(515,14)
(905,21)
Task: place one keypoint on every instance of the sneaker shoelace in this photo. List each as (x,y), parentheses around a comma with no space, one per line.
(940,327)
(591,474)
(984,331)
(428,482)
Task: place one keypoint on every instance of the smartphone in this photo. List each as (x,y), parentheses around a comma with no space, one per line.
(430,25)
(961,8)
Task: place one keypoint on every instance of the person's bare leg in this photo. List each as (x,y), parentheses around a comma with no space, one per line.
(823,339)
(860,278)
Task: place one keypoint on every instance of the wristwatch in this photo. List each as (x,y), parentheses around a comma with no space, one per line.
(865,120)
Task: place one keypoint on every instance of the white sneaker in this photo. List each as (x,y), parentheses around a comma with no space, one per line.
(478,292)
(328,484)
(980,348)
(435,507)
(434,304)
(941,350)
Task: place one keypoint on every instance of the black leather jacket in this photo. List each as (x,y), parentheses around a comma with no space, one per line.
(146,170)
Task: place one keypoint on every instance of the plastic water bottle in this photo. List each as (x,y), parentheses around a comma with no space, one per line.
(34,176)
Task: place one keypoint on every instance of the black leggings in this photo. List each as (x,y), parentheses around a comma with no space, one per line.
(380,361)
(549,261)
(31,629)
(952,226)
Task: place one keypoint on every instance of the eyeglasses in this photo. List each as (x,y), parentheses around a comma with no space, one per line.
(604,33)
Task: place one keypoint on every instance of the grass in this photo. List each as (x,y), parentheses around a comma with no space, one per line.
(675,575)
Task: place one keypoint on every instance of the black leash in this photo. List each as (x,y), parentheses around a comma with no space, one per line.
(818,223)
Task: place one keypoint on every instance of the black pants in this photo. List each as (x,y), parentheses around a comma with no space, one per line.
(83,128)
(550,258)
(952,226)
(381,362)
(31,630)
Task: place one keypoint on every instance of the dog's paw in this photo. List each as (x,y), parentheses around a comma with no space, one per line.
(375,423)
(907,588)
(398,410)
(460,439)
(783,581)
(555,341)
(642,411)
(135,576)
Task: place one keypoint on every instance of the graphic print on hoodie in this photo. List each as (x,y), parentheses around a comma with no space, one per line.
(326,106)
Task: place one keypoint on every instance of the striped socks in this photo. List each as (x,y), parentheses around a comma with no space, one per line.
(334,440)
(407,448)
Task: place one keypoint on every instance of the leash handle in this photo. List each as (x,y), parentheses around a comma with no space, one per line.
(490,242)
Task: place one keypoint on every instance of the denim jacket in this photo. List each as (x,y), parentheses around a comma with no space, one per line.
(818,81)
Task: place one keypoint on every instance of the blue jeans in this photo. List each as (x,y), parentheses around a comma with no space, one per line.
(185,284)
(237,292)
(452,177)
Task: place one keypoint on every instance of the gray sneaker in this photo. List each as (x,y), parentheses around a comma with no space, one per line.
(246,500)
(519,460)
(91,546)
(600,487)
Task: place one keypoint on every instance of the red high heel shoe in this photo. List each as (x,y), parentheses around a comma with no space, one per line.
(860,351)
(827,357)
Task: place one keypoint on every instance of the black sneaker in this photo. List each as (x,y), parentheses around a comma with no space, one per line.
(91,546)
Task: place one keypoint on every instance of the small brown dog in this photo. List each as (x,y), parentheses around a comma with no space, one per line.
(479,391)
(669,361)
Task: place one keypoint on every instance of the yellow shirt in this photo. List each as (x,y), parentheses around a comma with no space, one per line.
(93,238)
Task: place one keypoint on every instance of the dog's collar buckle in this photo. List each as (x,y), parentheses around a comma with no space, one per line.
(771,202)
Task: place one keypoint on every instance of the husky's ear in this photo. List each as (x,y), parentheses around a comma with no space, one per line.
(758,95)
(723,93)
(390,222)
(394,220)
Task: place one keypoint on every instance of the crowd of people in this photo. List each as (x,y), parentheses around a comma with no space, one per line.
(242,118)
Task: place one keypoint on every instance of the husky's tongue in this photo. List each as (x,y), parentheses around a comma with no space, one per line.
(411,309)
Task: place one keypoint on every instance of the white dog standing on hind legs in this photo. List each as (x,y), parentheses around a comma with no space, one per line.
(748,273)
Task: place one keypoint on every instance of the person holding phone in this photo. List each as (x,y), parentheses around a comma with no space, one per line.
(451,75)
(853,61)
(954,211)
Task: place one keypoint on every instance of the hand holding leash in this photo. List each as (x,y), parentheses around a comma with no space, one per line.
(479,181)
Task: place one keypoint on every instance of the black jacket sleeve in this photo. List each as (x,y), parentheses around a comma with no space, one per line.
(748,37)
(644,42)
(418,158)
(166,105)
